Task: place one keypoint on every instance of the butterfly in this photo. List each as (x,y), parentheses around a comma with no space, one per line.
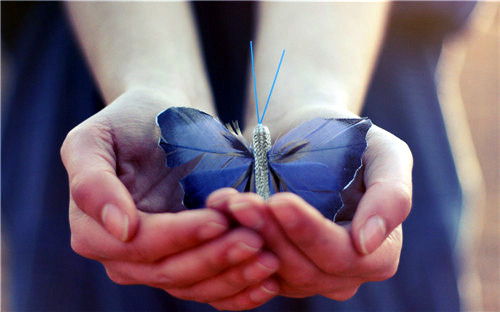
(316,160)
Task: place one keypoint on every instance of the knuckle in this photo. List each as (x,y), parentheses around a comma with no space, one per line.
(82,248)
(387,272)
(345,294)
(406,150)
(402,198)
(244,302)
(83,134)
(215,263)
(78,246)
(80,189)
(178,293)
(163,279)
(234,278)
(68,142)
(116,277)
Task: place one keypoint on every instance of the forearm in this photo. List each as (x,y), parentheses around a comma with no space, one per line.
(150,46)
(330,53)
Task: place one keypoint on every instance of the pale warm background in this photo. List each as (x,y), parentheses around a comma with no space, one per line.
(469,87)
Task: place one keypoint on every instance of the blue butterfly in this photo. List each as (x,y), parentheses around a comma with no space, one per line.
(316,160)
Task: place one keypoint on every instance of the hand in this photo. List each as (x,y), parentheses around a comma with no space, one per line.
(318,256)
(115,167)
(383,187)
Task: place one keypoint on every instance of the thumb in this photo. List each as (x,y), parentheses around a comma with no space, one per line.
(387,200)
(89,158)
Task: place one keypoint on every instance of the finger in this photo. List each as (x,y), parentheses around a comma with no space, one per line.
(296,271)
(342,295)
(387,200)
(248,209)
(250,298)
(325,243)
(88,156)
(232,281)
(329,246)
(193,265)
(159,235)
(219,199)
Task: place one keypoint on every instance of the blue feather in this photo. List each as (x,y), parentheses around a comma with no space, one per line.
(197,186)
(316,160)
(312,182)
(188,133)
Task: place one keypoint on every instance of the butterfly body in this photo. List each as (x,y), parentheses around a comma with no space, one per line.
(261,145)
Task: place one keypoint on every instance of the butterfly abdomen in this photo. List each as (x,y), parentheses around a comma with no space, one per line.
(261,145)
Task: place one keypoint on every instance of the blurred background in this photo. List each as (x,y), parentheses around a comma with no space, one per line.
(469,75)
(469,83)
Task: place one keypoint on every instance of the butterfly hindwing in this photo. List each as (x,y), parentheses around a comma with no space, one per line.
(309,181)
(197,186)
(318,159)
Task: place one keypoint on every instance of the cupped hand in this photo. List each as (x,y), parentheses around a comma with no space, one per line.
(117,174)
(318,256)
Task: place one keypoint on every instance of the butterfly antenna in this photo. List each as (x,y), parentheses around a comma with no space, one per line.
(272,87)
(254,85)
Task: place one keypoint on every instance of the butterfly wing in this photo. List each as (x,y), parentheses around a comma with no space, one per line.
(197,186)
(318,159)
(224,158)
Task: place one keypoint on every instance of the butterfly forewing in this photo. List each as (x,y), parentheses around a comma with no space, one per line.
(318,159)
(225,158)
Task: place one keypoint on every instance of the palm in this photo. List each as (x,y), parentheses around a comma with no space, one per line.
(140,163)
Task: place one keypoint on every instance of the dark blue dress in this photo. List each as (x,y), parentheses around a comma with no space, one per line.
(50,91)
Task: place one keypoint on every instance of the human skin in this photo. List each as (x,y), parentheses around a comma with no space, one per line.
(318,256)
(115,166)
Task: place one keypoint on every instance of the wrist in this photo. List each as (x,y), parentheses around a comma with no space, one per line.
(304,94)
(165,97)
(190,88)
(281,123)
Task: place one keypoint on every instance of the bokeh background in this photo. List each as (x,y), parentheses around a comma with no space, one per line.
(470,75)
(469,86)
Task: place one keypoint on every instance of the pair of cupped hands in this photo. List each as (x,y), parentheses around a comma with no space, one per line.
(241,251)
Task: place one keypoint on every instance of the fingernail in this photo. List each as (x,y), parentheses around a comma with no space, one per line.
(215,203)
(251,217)
(115,222)
(239,206)
(220,196)
(211,229)
(269,287)
(242,251)
(263,267)
(268,263)
(262,293)
(372,234)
